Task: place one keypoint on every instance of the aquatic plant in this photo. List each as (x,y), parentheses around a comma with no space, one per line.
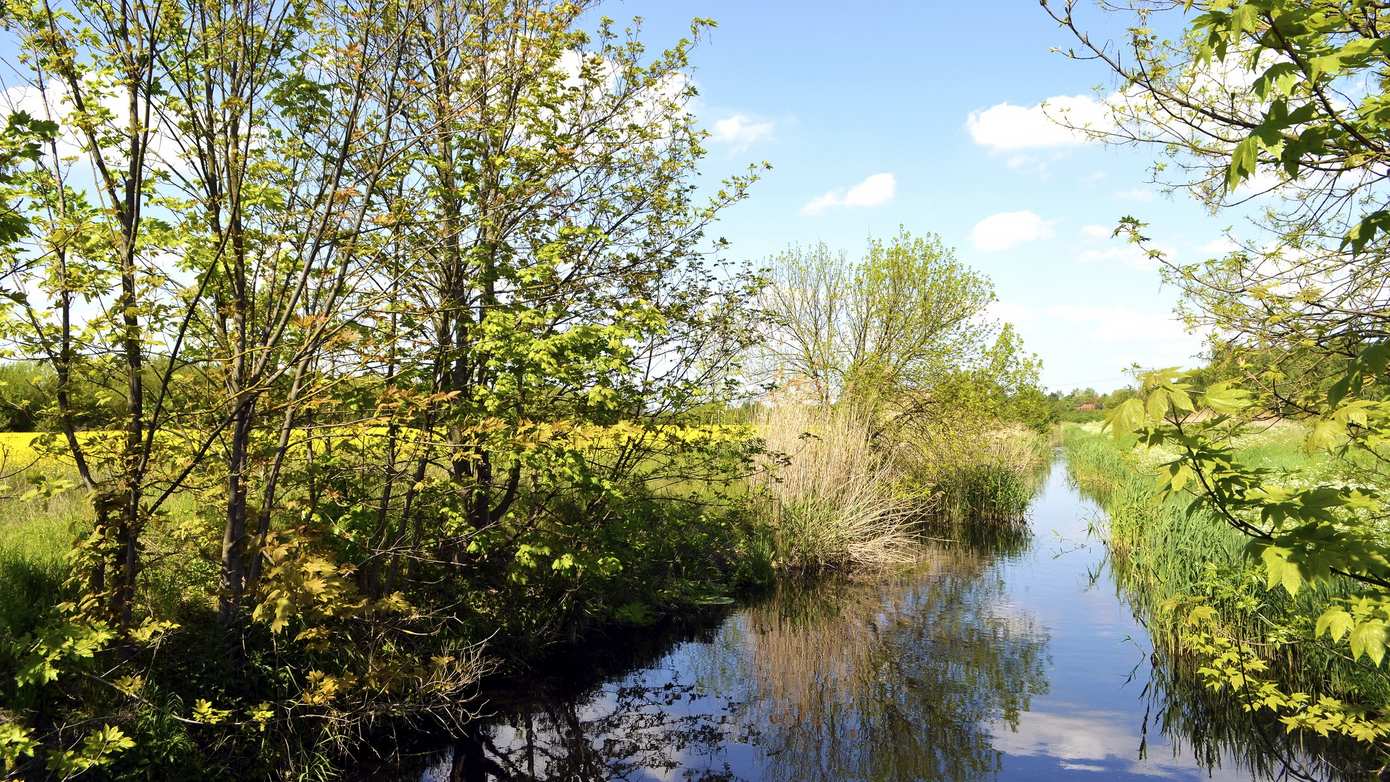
(987,477)
(1205,602)
(830,498)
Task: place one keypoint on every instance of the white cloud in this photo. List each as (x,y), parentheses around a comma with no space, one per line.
(1012,312)
(1008,229)
(593,78)
(53,104)
(1102,246)
(1120,325)
(1142,194)
(875,190)
(1264,180)
(1128,254)
(1220,246)
(1055,122)
(741,131)
(1160,333)
(821,203)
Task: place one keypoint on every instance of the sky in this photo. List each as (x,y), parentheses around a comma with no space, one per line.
(925,114)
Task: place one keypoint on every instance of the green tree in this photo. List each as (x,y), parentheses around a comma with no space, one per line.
(554,275)
(1286,98)
(894,332)
(411,304)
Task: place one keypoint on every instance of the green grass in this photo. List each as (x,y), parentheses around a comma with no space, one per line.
(38,528)
(988,493)
(1160,552)
(36,533)
(992,482)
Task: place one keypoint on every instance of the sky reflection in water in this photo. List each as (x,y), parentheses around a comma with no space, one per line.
(1012,660)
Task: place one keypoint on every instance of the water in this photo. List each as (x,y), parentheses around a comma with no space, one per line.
(1014,659)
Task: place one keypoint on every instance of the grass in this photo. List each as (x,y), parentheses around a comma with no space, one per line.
(43,509)
(36,533)
(834,498)
(992,481)
(1160,552)
(829,497)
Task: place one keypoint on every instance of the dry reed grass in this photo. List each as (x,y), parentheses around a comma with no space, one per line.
(829,497)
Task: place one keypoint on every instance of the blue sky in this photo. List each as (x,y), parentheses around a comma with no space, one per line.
(866,116)
(925,114)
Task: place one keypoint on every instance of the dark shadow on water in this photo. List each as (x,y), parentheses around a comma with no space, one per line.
(834,678)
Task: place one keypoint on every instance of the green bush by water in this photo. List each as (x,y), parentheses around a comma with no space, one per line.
(987,493)
(993,482)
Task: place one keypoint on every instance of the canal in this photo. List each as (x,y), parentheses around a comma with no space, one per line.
(1012,657)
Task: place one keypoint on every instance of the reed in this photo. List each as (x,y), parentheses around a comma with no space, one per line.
(990,478)
(1160,551)
(830,498)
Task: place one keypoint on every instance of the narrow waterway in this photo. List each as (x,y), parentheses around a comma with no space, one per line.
(1007,659)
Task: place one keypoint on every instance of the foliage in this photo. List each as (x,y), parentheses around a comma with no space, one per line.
(1206,604)
(829,496)
(899,343)
(899,333)
(1301,533)
(347,364)
(1284,98)
(1081,405)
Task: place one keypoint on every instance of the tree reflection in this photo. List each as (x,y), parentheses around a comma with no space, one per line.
(832,679)
(853,680)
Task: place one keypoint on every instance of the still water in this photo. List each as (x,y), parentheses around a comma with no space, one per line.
(1010,659)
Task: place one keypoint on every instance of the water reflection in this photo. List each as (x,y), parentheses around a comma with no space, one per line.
(852,681)
(838,679)
(996,658)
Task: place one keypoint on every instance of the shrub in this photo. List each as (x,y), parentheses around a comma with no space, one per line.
(985,477)
(829,497)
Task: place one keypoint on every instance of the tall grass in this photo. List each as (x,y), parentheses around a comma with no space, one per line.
(36,533)
(1161,550)
(990,477)
(829,497)
(38,529)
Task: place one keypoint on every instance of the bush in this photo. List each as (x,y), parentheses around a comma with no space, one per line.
(829,498)
(986,492)
(984,477)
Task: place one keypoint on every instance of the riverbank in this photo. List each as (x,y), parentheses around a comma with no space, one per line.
(1170,558)
(524,596)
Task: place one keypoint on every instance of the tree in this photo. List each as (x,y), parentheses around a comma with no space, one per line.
(1289,93)
(554,274)
(902,332)
(1261,103)
(412,302)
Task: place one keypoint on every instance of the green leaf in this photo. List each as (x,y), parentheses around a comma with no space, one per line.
(1157,404)
(1201,614)
(1326,433)
(1279,571)
(1369,639)
(1244,19)
(1222,398)
(1126,418)
(1336,622)
(1243,162)
(1181,475)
